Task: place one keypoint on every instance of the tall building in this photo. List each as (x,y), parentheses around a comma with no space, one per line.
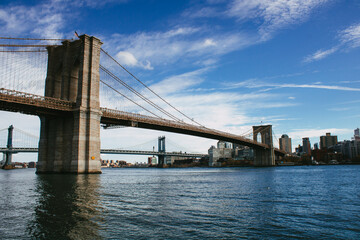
(349,149)
(285,143)
(328,141)
(306,146)
(222,152)
(357,134)
(316,146)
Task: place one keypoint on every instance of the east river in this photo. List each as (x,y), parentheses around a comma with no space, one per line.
(309,202)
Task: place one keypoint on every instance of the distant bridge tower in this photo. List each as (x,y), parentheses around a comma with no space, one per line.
(9,146)
(264,157)
(161,148)
(71,143)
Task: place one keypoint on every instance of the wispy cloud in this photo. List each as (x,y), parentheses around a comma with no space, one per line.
(185,44)
(348,38)
(340,109)
(275,14)
(351,36)
(129,59)
(200,42)
(176,83)
(43,20)
(258,84)
(320,54)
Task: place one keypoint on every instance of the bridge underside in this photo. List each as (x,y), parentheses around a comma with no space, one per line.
(146,125)
(10,105)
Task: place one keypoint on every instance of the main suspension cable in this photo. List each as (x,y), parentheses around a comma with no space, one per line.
(129,99)
(36,39)
(139,94)
(150,89)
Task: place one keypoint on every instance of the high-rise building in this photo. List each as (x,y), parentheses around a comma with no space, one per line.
(306,146)
(316,146)
(357,134)
(285,143)
(349,149)
(328,141)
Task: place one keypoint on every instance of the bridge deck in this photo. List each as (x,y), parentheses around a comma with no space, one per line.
(11,100)
(113,151)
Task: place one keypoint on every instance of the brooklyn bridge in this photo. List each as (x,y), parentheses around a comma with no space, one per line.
(82,84)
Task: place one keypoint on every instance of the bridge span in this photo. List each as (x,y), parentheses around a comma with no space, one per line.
(70,112)
(15,101)
(113,151)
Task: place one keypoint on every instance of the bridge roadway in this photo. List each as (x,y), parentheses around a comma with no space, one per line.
(113,151)
(15,101)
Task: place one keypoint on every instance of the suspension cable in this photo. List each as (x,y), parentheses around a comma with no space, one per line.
(150,88)
(25,133)
(29,45)
(129,98)
(139,94)
(36,39)
(29,51)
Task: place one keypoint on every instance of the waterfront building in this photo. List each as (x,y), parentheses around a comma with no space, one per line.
(243,153)
(316,146)
(169,160)
(32,165)
(299,150)
(306,146)
(357,134)
(152,160)
(328,141)
(349,149)
(285,143)
(221,153)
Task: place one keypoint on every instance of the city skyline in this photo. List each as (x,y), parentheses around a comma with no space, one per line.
(227,64)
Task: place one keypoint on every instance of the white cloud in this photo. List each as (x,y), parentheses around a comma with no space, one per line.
(177,83)
(127,58)
(92,3)
(351,36)
(209,42)
(178,45)
(43,20)
(275,14)
(320,54)
(257,84)
(341,109)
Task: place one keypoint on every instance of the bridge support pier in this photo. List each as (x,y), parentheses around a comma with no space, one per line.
(71,143)
(161,148)
(8,154)
(264,157)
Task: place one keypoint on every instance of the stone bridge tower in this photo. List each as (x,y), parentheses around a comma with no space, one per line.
(264,157)
(71,143)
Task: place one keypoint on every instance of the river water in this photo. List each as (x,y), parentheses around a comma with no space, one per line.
(312,202)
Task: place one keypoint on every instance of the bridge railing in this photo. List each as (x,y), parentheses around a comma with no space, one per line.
(36,100)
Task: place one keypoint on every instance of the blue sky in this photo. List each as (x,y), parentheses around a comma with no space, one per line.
(228,64)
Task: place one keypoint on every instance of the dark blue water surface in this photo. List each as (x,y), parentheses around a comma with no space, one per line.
(318,202)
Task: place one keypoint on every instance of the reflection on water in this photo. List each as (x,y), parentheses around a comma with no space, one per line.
(318,202)
(66,207)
